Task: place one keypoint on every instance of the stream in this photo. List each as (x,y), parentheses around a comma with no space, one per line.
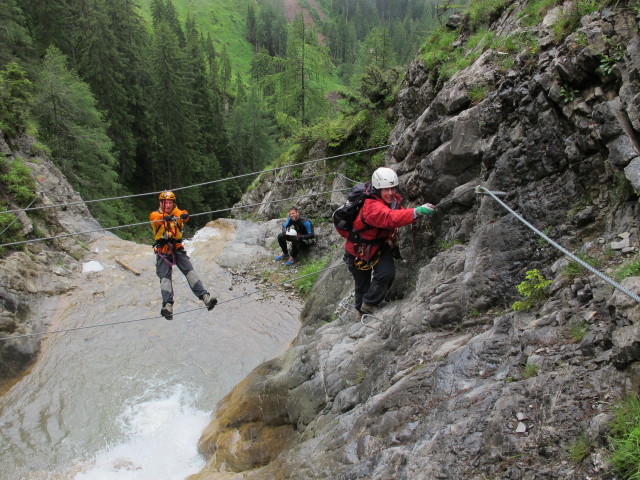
(129,400)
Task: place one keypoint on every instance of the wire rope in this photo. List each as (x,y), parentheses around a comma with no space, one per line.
(106,229)
(316,176)
(86,327)
(81,202)
(482,190)
(16,217)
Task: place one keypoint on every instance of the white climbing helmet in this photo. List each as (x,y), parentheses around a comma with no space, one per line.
(291,231)
(384,178)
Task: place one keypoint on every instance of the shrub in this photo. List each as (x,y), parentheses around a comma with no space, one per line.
(17,177)
(568,94)
(534,288)
(306,284)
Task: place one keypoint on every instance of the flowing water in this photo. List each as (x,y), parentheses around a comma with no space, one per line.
(129,401)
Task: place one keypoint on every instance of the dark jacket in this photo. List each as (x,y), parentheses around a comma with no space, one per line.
(302,226)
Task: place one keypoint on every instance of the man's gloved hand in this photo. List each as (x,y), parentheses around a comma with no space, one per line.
(426,209)
(168,218)
(184,216)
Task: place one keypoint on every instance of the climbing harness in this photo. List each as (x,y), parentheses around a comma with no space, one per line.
(494,195)
(364,265)
(164,255)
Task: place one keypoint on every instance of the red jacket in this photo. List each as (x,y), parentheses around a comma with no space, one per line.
(380,223)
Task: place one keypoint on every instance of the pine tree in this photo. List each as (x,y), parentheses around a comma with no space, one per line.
(251,134)
(298,79)
(225,69)
(74,129)
(241,90)
(376,50)
(205,119)
(172,120)
(15,42)
(251,24)
(15,99)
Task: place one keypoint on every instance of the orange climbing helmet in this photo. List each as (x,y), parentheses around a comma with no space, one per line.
(167,195)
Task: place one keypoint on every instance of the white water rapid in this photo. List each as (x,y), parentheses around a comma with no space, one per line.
(129,401)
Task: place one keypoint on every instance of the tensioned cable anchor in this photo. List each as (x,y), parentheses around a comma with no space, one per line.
(484,191)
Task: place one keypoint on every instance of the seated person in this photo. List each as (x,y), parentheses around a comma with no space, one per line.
(297,230)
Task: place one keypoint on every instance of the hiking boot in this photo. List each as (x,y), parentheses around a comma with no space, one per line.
(369,309)
(279,258)
(167,311)
(290,262)
(209,301)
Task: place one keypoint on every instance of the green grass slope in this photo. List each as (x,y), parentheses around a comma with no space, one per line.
(225,20)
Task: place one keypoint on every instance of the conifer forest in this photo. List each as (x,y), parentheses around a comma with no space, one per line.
(135,96)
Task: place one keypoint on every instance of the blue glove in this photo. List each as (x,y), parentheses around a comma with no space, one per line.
(426,209)
(184,216)
(168,218)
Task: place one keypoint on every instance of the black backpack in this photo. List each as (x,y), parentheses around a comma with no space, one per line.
(345,215)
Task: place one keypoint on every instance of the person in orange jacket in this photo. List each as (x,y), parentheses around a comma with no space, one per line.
(370,260)
(167,223)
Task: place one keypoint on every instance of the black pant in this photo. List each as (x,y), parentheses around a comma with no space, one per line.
(296,243)
(368,289)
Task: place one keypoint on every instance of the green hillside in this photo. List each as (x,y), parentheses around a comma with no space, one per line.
(225,20)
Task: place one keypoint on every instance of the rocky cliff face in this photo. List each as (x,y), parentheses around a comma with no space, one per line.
(35,274)
(447,381)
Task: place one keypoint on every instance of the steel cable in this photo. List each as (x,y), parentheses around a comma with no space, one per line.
(482,190)
(85,327)
(84,202)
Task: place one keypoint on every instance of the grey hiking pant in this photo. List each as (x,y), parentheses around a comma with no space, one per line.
(164,271)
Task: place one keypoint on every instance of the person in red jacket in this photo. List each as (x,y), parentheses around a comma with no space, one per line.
(167,224)
(370,260)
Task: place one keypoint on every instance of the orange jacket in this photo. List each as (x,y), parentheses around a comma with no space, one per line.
(171,231)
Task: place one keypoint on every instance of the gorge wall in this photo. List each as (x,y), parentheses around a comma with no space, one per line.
(447,381)
(36,274)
